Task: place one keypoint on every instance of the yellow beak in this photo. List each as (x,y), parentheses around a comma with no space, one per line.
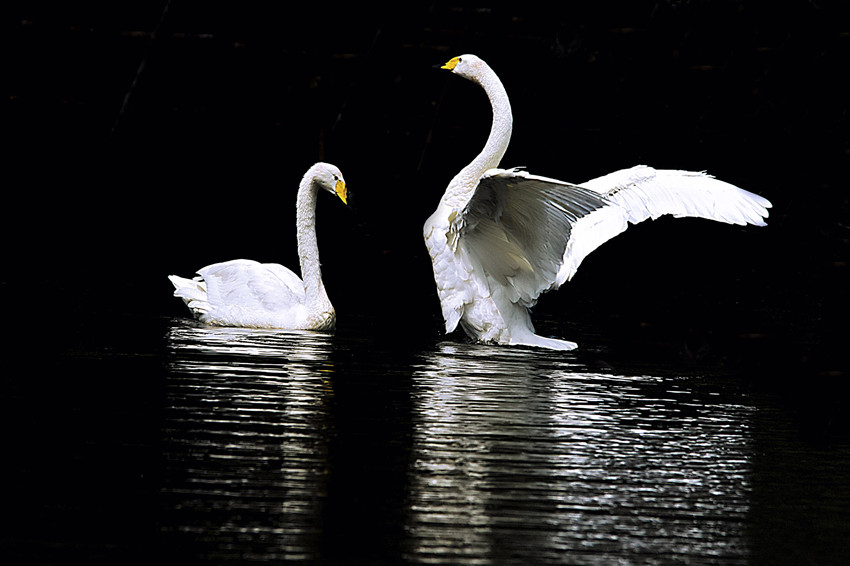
(451,64)
(342,191)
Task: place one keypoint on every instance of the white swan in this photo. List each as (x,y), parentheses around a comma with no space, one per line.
(246,293)
(499,238)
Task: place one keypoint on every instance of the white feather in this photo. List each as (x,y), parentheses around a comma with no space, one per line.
(247,293)
(501,237)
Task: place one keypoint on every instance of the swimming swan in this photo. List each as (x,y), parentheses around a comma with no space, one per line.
(246,293)
(501,237)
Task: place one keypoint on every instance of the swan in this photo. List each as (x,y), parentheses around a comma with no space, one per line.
(501,237)
(250,294)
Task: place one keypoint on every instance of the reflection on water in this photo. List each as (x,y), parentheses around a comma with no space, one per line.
(300,446)
(520,455)
(246,442)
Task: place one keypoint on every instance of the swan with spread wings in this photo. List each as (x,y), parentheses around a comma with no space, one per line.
(501,237)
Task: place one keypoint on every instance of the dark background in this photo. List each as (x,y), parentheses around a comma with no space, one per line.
(150,138)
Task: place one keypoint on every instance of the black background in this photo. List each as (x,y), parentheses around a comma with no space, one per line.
(150,138)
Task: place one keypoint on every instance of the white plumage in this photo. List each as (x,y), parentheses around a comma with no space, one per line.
(501,237)
(247,293)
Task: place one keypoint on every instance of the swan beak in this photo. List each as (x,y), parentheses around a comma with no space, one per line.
(342,191)
(450,66)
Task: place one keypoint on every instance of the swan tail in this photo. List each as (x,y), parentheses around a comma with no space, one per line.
(193,292)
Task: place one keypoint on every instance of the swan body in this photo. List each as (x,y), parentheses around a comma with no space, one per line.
(501,237)
(247,293)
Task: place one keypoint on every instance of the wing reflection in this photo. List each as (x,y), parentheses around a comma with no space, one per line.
(245,440)
(519,453)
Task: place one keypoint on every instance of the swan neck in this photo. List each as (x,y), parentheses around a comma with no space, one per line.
(465,182)
(502,125)
(308,248)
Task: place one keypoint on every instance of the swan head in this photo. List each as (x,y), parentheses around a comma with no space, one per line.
(329,177)
(467,66)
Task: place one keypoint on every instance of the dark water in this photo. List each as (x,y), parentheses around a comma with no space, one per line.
(211,445)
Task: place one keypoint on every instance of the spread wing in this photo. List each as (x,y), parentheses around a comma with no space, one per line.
(644,192)
(528,234)
(518,228)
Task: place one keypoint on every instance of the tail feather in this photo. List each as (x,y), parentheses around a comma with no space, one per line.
(193,292)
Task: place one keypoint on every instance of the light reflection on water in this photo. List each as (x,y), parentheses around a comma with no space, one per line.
(247,440)
(512,454)
(518,454)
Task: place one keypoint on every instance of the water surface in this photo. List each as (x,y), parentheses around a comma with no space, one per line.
(148,439)
(315,447)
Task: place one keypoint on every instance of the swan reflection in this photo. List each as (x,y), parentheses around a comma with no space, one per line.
(520,453)
(245,436)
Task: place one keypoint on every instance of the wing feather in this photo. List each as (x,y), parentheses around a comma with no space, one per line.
(648,193)
(517,227)
(530,233)
(252,286)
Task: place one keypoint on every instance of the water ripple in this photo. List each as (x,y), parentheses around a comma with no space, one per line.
(246,440)
(598,464)
(497,456)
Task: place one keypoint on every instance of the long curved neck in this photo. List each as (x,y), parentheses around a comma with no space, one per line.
(464,183)
(308,247)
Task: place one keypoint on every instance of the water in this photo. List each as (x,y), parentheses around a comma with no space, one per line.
(553,461)
(246,441)
(164,439)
